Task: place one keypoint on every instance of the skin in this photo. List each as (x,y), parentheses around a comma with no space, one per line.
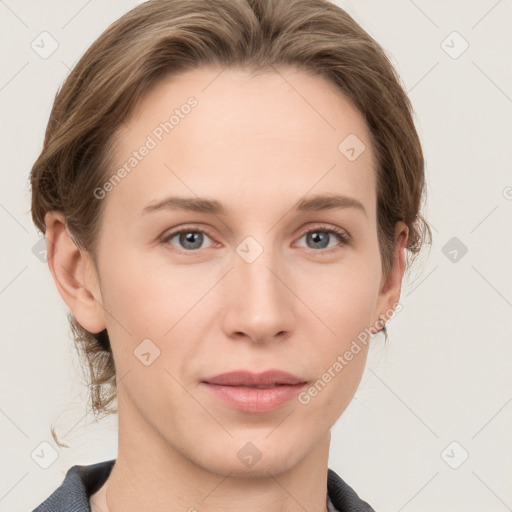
(257,144)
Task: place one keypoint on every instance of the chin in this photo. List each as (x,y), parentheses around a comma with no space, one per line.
(255,460)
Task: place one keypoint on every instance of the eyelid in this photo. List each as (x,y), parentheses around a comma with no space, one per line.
(172,233)
(343,235)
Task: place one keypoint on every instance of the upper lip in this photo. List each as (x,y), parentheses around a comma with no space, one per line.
(246,378)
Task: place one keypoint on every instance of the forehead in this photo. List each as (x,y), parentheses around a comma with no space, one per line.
(236,136)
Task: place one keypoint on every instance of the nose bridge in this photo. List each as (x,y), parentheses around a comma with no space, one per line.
(260,304)
(259,280)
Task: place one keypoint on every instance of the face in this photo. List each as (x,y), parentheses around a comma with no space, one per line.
(254,272)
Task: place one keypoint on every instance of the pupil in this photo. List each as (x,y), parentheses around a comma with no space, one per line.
(189,239)
(320,238)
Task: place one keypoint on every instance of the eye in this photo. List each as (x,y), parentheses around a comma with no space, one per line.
(188,239)
(320,237)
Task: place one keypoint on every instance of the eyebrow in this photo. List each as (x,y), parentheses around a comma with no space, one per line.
(211,206)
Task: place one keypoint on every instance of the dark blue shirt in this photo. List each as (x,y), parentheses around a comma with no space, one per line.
(81,482)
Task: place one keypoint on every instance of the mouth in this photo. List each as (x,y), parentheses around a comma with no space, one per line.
(255,392)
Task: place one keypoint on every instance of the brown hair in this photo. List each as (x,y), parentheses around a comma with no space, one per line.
(162,37)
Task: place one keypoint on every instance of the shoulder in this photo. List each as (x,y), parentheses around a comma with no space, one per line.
(343,497)
(79,483)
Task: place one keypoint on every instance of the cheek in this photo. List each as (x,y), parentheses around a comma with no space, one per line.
(339,355)
(149,297)
(343,296)
(151,312)
(345,301)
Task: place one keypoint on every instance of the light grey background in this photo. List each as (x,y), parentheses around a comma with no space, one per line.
(445,375)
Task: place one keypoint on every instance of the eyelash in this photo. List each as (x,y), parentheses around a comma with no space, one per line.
(344,237)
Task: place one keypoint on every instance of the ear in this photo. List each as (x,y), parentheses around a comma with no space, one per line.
(74,274)
(391,288)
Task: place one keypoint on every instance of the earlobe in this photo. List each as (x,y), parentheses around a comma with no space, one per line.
(74,274)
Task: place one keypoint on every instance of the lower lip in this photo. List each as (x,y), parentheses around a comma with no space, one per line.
(255,399)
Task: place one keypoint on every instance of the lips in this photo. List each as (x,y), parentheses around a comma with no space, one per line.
(254,392)
(264,380)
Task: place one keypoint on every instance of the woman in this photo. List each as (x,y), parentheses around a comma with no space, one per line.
(228,191)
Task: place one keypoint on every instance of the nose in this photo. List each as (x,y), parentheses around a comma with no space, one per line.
(260,304)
